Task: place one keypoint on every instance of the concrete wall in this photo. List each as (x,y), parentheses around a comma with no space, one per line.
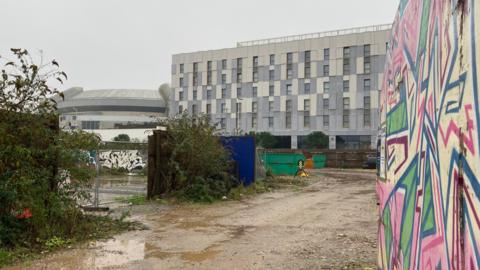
(428,187)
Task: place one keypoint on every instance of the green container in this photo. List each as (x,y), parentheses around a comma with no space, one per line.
(319,161)
(282,163)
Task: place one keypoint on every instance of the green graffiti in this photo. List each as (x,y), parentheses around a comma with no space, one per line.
(397,119)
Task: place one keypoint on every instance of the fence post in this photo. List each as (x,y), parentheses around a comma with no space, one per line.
(151,164)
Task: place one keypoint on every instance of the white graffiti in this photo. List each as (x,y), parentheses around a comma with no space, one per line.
(125,159)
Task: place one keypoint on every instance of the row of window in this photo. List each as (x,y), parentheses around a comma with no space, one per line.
(271,74)
(288,106)
(307,58)
(271,90)
(306,121)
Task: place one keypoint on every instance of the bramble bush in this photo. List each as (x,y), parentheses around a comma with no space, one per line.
(43,170)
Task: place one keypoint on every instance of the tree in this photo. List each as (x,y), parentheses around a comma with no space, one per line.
(316,140)
(165,92)
(198,165)
(36,158)
(122,138)
(265,139)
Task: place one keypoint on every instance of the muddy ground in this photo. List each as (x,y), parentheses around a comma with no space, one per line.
(328,224)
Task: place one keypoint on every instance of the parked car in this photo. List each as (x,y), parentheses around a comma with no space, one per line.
(370,163)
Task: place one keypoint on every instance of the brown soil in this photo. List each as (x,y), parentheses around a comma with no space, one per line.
(328,224)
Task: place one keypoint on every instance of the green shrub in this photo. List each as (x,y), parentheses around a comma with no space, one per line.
(198,166)
(38,198)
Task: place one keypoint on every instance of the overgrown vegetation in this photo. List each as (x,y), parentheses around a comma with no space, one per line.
(265,139)
(316,140)
(44,171)
(122,138)
(198,166)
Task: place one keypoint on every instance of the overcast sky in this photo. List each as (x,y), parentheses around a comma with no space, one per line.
(128,43)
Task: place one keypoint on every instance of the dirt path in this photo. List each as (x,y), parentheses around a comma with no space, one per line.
(330,224)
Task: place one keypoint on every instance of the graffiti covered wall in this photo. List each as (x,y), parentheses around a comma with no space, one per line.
(125,159)
(428,187)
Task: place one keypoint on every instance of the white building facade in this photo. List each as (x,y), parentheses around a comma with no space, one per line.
(289,86)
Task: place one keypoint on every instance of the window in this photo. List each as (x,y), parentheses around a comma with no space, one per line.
(255,69)
(239,77)
(90,124)
(306,88)
(366,112)
(272,59)
(271,75)
(223,124)
(181,82)
(239,92)
(195,74)
(209,94)
(239,70)
(346,66)
(326,70)
(224,78)
(289,89)
(254,120)
(307,56)
(180,95)
(180,109)
(270,106)
(306,121)
(346,52)
(346,120)
(346,112)
(326,54)
(224,108)
(194,108)
(271,91)
(346,86)
(209,73)
(307,70)
(366,65)
(270,122)
(306,104)
(326,120)
(366,85)
(254,91)
(254,114)
(326,104)
(224,63)
(288,120)
(194,94)
(255,76)
(346,103)
(224,92)
(288,105)
(289,66)
(239,63)
(326,87)
(289,73)
(181,68)
(289,58)
(366,102)
(366,50)
(209,108)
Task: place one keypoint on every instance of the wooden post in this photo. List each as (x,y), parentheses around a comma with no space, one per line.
(151,165)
